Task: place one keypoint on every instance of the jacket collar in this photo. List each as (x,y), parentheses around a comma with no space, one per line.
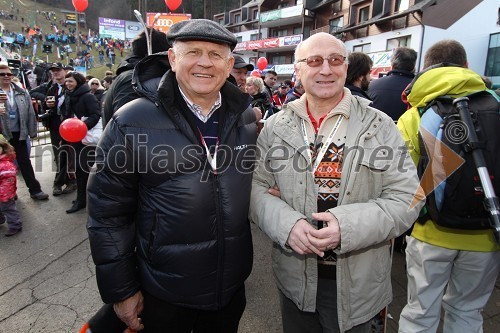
(288,128)
(401,72)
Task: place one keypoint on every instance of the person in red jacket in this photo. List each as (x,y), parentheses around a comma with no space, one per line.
(8,187)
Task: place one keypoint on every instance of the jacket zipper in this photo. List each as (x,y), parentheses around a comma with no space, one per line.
(220,241)
(152,236)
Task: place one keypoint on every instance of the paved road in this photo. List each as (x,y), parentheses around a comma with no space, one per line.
(47,281)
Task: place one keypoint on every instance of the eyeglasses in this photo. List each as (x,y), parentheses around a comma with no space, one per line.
(6,74)
(316,61)
(94,84)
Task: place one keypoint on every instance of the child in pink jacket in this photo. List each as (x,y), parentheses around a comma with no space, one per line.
(8,187)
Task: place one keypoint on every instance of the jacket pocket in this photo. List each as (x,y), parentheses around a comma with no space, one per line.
(368,179)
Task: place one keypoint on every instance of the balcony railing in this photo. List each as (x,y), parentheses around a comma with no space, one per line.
(325,28)
(328,29)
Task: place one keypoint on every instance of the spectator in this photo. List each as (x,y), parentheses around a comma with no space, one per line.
(96,89)
(386,91)
(122,90)
(453,268)
(358,74)
(270,79)
(107,81)
(189,275)
(17,123)
(65,179)
(295,93)
(240,71)
(279,97)
(255,88)
(80,103)
(8,187)
(334,216)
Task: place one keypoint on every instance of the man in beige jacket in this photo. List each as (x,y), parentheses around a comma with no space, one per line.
(347,187)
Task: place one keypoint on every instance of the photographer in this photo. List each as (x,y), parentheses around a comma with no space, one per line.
(51,94)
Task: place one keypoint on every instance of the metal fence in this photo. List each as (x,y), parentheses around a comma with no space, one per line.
(43,137)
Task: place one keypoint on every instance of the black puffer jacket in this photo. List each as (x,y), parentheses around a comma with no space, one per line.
(81,103)
(159,219)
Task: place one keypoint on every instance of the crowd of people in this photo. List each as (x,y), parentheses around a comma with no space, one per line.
(170,232)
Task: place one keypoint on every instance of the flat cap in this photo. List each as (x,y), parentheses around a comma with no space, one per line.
(240,63)
(201,29)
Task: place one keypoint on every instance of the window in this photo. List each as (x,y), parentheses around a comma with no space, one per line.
(336,7)
(237,18)
(278,59)
(283,5)
(297,30)
(363,14)
(307,32)
(254,36)
(279,33)
(336,24)
(398,42)
(221,21)
(365,48)
(255,14)
(239,38)
(493,57)
(401,5)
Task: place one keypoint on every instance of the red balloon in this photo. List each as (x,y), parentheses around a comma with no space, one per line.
(173,4)
(73,130)
(80,5)
(255,73)
(262,63)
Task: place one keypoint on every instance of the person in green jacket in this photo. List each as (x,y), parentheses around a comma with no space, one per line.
(453,268)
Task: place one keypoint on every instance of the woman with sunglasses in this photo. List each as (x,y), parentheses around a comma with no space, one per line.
(80,103)
(17,122)
(96,89)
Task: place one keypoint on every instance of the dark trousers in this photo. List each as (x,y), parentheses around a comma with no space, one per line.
(9,210)
(24,163)
(64,159)
(85,158)
(63,154)
(324,320)
(159,316)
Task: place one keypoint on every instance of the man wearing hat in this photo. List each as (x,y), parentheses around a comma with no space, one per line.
(240,71)
(169,199)
(64,180)
(279,97)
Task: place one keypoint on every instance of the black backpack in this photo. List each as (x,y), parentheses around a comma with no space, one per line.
(458,201)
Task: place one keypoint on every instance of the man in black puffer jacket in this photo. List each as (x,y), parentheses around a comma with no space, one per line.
(169,198)
(121,91)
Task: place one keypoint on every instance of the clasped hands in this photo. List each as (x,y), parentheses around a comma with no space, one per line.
(304,238)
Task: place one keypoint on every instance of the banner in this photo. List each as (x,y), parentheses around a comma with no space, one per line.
(165,21)
(132,29)
(111,28)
